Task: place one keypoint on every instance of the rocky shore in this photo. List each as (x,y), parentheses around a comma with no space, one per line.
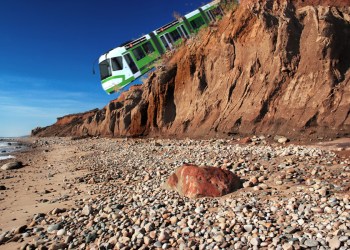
(98,193)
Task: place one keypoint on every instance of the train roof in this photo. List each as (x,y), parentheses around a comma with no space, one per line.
(131,43)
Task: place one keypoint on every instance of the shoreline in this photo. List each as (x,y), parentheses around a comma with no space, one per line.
(92,179)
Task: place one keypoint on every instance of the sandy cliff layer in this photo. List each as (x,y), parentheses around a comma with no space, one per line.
(271,67)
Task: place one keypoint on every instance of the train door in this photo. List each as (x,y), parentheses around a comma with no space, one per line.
(166,41)
(132,65)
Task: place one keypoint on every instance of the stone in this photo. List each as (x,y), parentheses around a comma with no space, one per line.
(173,220)
(248,228)
(334,243)
(124,240)
(199,210)
(193,181)
(157,244)
(54,227)
(149,227)
(245,140)
(2,187)
(281,139)
(219,238)
(247,184)
(147,240)
(163,236)
(61,232)
(21,229)
(255,241)
(86,210)
(12,165)
(311,243)
(58,211)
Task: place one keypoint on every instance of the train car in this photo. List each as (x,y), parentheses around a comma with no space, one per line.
(124,64)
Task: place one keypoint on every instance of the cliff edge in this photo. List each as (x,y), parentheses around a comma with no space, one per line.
(268,67)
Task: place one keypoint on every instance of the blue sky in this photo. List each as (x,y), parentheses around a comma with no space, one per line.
(48,47)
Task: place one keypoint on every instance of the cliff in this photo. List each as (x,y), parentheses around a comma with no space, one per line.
(269,67)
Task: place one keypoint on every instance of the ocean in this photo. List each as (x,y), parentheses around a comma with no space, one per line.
(8,146)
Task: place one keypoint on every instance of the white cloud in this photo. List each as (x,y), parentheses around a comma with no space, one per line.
(22,109)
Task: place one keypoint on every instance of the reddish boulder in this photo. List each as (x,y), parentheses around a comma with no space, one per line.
(245,140)
(194,182)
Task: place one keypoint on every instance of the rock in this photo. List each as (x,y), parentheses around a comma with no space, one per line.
(334,243)
(247,184)
(86,210)
(255,241)
(61,232)
(149,227)
(54,227)
(57,246)
(281,139)
(194,182)
(157,244)
(3,237)
(311,243)
(199,210)
(2,187)
(219,238)
(124,240)
(58,211)
(245,140)
(12,165)
(163,236)
(173,220)
(147,240)
(21,229)
(248,228)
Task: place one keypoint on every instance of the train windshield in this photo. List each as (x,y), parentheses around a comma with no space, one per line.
(105,69)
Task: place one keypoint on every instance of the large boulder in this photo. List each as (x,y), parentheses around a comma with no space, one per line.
(12,165)
(194,182)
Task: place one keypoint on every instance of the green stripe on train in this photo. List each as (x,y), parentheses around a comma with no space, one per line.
(120,85)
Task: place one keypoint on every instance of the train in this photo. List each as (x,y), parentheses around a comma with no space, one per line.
(124,64)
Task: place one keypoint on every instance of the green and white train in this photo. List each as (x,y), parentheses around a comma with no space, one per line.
(122,65)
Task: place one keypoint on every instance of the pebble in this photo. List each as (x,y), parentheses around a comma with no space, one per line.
(334,243)
(12,165)
(255,241)
(248,228)
(86,210)
(54,227)
(61,232)
(311,243)
(126,208)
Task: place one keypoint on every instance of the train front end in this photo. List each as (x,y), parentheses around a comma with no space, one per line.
(114,71)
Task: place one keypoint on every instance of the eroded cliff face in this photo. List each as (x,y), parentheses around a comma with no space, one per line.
(270,67)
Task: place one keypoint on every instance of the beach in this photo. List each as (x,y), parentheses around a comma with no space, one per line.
(100,193)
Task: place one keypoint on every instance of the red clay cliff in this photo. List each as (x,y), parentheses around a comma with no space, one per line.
(269,67)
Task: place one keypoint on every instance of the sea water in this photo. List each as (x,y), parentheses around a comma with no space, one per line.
(8,146)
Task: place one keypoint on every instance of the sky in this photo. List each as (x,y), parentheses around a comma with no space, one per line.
(48,49)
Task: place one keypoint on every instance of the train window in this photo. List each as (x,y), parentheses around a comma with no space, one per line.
(138,53)
(175,35)
(210,15)
(197,23)
(105,69)
(117,63)
(166,45)
(148,48)
(184,30)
